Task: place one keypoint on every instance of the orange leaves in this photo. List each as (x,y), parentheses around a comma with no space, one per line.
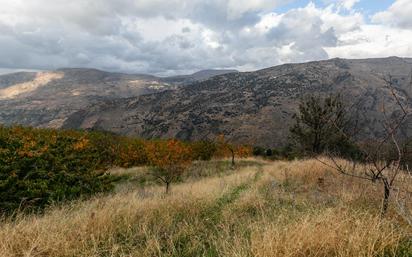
(130,152)
(30,147)
(169,159)
(81,144)
(170,155)
(226,149)
(105,150)
(244,151)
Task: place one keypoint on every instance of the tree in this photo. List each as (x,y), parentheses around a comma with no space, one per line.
(169,159)
(225,146)
(130,152)
(203,150)
(381,160)
(319,125)
(243,151)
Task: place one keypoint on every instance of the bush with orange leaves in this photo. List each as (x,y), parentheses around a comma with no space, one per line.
(168,159)
(40,166)
(244,151)
(130,152)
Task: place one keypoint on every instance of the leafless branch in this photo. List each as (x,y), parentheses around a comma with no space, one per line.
(376,166)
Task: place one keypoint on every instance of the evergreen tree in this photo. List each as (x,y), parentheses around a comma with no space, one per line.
(321,125)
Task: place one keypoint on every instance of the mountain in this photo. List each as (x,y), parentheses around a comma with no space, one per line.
(196,77)
(247,107)
(254,107)
(46,99)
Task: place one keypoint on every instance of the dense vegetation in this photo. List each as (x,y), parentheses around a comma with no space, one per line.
(40,166)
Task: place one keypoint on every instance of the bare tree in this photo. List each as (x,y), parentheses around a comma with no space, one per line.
(403,194)
(375,163)
(224,145)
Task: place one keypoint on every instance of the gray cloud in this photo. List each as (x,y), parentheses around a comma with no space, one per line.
(169,37)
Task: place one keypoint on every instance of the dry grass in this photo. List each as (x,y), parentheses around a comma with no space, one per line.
(298,208)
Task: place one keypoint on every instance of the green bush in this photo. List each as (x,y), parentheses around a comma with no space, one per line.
(203,150)
(40,166)
(258,151)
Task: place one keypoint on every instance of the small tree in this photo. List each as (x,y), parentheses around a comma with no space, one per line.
(224,146)
(382,158)
(169,159)
(243,151)
(319,125)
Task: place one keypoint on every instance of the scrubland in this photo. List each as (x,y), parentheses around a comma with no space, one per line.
(260,208)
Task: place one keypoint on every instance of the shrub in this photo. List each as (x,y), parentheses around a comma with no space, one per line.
(43,166)
(203,150)
(258,151)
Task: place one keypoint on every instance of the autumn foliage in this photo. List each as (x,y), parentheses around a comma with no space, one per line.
(169,159)
(38,167)
(41,166)
(225,149)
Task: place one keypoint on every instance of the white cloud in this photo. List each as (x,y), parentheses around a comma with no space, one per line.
(236,8)
(398,14)
(180,36)
(373,41)
(348,4)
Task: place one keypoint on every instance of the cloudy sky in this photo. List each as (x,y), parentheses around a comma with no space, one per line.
(166,37)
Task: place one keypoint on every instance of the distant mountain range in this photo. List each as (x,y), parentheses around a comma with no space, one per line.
(47,99)
(248,107)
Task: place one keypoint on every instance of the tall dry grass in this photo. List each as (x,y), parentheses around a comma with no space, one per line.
(298,208)
(129,224)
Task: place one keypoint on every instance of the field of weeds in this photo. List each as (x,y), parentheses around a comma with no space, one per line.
(298,208)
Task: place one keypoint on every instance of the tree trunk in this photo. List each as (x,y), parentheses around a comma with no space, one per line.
(386,195)
(167,187)
(233,157)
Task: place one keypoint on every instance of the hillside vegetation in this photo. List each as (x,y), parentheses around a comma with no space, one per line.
(42,166)
(298,208)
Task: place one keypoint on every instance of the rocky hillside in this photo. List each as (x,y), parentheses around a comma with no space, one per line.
(47,99)
(254,107)
(196,77)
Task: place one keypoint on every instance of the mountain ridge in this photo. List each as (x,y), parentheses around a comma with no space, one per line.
(47,98)
(250,107)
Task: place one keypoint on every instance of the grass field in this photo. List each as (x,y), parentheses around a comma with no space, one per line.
(298,208)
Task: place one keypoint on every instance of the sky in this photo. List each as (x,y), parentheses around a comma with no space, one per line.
(169,37)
